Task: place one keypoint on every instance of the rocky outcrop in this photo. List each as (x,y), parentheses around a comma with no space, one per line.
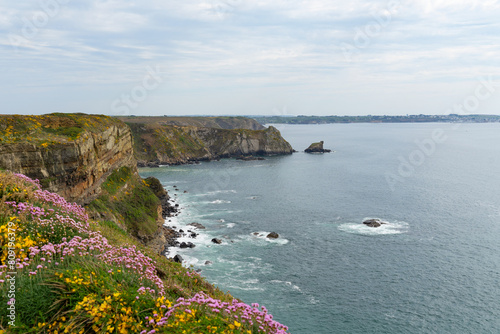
(273,235)
(217,241)
(73,155)
(317,148)
(169,144)
(374,222)
(74,168)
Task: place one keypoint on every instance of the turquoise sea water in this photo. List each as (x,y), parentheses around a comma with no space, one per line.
(434,268)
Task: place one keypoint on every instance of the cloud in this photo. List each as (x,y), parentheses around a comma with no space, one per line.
(214,52)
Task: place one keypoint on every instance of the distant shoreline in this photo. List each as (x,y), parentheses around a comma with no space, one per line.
(453,118)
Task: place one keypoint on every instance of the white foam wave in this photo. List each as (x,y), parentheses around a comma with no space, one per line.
(261,238)
(220,201)
(290,284)
(212,193)
(396,227)
(231,225)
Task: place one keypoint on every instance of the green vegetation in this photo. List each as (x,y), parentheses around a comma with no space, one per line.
(72,132)
(46,130)
(127,198)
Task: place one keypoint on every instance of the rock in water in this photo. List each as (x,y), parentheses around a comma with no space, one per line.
(373,222)
(273,235)
(216,241)
(197,225)
(178,258)
(317,148)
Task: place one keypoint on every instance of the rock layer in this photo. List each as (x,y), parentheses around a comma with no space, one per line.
(169,144)
(74,168)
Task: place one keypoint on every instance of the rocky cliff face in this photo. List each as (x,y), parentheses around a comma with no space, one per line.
(168,144)
(73,163)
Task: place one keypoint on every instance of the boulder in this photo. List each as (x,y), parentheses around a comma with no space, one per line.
(273,235)
(216,241)
(207,263)
(187,245)
(373,222)
(317,148)
(197,225)
(178,258)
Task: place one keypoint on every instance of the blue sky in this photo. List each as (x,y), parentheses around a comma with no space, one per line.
(161,57)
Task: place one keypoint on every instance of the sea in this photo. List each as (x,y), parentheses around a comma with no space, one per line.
(434,267)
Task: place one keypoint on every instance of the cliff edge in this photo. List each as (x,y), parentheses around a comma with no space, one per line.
(71,154)
(87,159)
(172,144)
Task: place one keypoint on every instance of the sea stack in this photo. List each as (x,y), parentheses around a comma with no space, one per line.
(317,148)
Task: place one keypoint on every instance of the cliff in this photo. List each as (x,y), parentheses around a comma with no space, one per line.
(172,144)
(87,159)
(71,154)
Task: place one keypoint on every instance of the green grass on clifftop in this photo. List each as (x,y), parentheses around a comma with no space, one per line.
(50,129)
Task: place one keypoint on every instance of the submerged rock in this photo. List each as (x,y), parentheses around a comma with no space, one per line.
(197,225)
(373,222)
(273,235)
(317,148)
(249,158)
(216,241)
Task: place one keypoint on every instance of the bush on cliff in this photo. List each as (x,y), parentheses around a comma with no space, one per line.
(70,278)
(127,196)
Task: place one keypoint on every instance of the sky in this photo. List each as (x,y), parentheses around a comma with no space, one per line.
(242,57)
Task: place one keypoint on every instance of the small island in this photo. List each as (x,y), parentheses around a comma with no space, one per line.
(317,148)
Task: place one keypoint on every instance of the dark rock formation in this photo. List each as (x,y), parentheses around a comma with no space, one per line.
(197,225)
(249,158)
(155,185)
(178,258)
(373,222)
(187,245)
(273,235)
(216,241)
(317,148)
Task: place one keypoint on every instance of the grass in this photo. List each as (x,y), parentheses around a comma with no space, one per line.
(125,196)
(72,132)
(52,129)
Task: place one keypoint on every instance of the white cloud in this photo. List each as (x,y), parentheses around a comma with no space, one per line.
(213,47)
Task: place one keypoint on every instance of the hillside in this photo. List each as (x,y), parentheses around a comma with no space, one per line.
(62,272)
